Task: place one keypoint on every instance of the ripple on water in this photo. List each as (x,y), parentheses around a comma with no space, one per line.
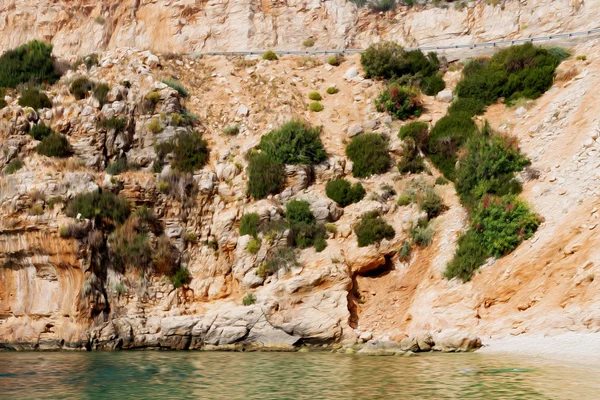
(204,375)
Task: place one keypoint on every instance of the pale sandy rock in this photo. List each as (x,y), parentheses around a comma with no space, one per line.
(445,96)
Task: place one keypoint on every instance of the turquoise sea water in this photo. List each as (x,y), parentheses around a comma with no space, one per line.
(218,375)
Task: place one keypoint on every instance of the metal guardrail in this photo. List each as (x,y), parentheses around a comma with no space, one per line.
(425,48)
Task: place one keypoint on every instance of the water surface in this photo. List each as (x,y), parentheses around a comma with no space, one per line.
(216,375)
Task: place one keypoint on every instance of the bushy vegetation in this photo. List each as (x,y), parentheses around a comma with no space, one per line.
(282,258)
(489,167)
(372,228)
(13,166)
(411,160)
(118,124)
(3,93)
(295,142)
(266,175)
(100,92)
(190,152)
(32,97)
(316,96)
(431,203)
(181,277)
(309,42)
(180,186)
(468,106)
(40,131)
(54,145)
(369,154)
(517,71)
(100,205)
(253,245)
(81,87)
(130,246)
(249,299)
(432,85)
(315,106)
(469,256)
(388,60)
(421,233)
(155,126)
(270,55)
(343,193)
(382,5)
(305,230)
(117,167)
(332,90)
(502,223)
(173,84)
(335,60)
(31,62)
(249,224)
(231,130)
(401,102)
(417,131)
(448,135)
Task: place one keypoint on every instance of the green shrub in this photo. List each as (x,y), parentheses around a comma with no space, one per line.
(270,55)
(31,62)
(331,227)
(282,258)
(117,167)
(469,106)
(32,97)
(369,154)
(232,130)
(249,224)
(517,71)
(181,277)
(387,60)
(411,160)
(2,101)
(177,86)
(100,92)
(102,205)
(404,252)
(372,228)
(90,61)
(253,246)
(422,234)
(118,124)
(249,299)
(489,167)
(340,191)
(503,223)
(298,211)
(417,131)
(559,53)
(469,256)
(190,152)
(404,199)
(332,90)
(295,142)
(180,186)
(315,106)
(155,126)
(446,138)
(432,85)
(440,180)
(382,5)
(54,145)
(431,203)
(310,42)
(40,131)
(266,175)
(401,102)
(316,96)
(582,57)
(80,88)
(335,60)
(320,243)
(13,166)
(36,210)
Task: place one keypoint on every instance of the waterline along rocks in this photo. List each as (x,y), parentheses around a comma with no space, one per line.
(150,199)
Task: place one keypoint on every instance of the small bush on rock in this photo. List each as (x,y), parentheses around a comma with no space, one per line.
(388,60)
(13,166)
(431,203)
(417,131)
(177,86)
(117,124)
(40,131)
(469,256)
(369,154)
(103,205)
(190,152)
(372,228)
(54,145)
(315,106)
(469,106)
(253,246)
(411,160)
(316,96)
(266,175)
(282,258)
(100,92)
(340,191)
(181,277)
(270,55)
(401,102)
(32,97)
(432,85)
(295,142)
(332,90)
(80,88)
(117,167)
(30,62)
(249,299)
(249,224)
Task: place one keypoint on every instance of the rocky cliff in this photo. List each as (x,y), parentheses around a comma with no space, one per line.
(50,297)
